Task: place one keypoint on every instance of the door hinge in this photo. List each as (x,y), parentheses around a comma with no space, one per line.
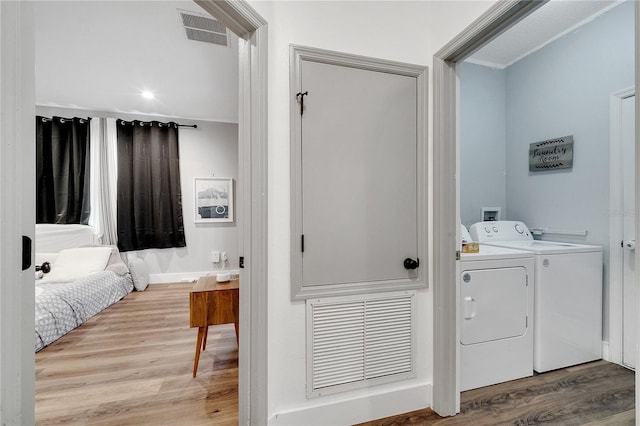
(241,262)
(302,243)
(622,243)
(457,254)
(526,322)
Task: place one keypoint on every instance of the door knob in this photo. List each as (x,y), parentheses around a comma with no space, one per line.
(630,244)
(411,264)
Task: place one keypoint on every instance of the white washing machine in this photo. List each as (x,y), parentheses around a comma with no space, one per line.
(568,294)
(496,310)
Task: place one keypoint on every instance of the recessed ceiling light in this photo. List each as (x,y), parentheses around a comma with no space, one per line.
(148,95)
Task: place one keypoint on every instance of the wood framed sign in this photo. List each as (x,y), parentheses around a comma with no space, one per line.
(551,154)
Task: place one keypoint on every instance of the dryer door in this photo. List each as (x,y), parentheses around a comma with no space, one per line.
(493,304)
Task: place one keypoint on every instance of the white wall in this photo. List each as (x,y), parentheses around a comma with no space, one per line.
(401,31)
(211,149)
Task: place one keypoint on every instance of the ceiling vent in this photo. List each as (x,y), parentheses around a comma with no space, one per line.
(204,28)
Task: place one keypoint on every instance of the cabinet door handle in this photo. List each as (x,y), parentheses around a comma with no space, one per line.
(411,264)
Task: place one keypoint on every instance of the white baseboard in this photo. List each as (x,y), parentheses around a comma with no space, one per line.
(177,277)
(357,410)
(606,354)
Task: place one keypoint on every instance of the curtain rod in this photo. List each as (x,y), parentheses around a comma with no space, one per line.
(63,119)
(195,126)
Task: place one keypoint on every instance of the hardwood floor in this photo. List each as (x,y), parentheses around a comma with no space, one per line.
(132,365)
(594,394)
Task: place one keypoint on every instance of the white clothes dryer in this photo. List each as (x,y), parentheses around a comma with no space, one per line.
(496,310)
(568,294)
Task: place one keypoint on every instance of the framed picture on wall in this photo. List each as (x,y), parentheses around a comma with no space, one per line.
(213,199)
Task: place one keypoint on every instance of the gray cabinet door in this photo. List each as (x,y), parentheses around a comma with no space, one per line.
(359,175)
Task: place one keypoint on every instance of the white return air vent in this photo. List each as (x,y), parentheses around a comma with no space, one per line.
(204,28)
(359,341)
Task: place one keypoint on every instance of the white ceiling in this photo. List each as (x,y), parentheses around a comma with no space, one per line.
(551,21)
(100,55)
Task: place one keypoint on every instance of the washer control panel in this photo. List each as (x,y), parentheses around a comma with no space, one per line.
(501,230)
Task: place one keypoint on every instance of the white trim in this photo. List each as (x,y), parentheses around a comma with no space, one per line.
(183,277)
(17,212)
(637,84)
(606,351)
(614,353)
(356,410)
(446,211)
(485,63)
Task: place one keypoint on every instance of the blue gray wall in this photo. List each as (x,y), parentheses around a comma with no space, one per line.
(562,89)
(482,136)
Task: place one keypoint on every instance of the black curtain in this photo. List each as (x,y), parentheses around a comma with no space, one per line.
(149,196)
(62,170)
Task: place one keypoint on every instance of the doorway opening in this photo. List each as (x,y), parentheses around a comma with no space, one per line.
(446,126)
(622,215)
(245,22)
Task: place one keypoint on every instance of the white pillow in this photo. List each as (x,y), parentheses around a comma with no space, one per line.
(75,263)
(139,272)
(45,257)
(115,262)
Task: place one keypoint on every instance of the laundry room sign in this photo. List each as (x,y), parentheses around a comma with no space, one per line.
(551,154)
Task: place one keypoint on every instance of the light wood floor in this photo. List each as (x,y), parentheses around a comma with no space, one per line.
(132,365)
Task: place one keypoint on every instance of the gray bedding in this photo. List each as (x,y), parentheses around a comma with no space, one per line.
(61,307)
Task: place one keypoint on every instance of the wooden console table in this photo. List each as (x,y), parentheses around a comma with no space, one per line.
(212,303)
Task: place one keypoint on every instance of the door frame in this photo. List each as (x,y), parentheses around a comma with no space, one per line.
(637,84)
(613,350)
(17,178)
(446,193)
(251,28)
(17,104)
(499,17)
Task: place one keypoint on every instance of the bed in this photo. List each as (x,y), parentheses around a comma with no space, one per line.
(85,278)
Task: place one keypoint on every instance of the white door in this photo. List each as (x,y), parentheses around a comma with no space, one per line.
(629,275)
(493,304)
(17,213)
